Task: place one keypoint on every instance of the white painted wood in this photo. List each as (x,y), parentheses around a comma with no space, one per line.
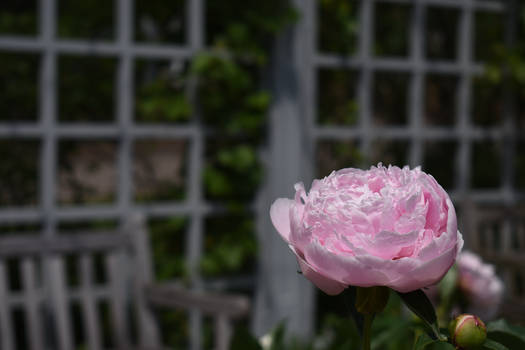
(223,331)
(117,275)
(90,312)
(33,299)
(142,275)
(282,293)
(208,303)
(6,329)
(59,301)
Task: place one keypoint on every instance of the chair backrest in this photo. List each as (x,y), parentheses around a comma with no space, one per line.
(80,290)
(497,233)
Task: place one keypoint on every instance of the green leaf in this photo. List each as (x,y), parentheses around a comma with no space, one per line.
(512,336)
(441,345)
(278,337)
(417,301)
(423,341)
(492,345)
(385,336)
(448,284)
(243,340)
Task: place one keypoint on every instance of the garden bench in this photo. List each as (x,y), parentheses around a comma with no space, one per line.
(497,233)
(37,315)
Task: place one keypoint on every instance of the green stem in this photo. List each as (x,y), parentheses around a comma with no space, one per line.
(367,330)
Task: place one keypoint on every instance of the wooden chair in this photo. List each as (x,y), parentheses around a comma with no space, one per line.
(44,298)
(497,233)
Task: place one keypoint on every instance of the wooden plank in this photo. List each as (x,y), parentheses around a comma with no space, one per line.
(6,331)
(90,314)
(32,303)
(117,278)
(38,245)
(60,302)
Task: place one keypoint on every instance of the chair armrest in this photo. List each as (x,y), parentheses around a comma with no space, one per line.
(209,303)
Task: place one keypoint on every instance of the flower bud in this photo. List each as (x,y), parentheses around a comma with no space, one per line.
(467,332)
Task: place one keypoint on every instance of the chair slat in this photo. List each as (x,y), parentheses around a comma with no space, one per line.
(32,298)
(506,248)
(521,234)
(60,302)
(114,265)
(6,331)
(506,232)
(223,330)
(488,236)
(143,275)
(90,314)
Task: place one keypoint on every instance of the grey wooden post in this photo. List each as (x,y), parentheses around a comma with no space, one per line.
(282,293)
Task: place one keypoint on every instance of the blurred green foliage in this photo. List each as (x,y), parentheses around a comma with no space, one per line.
(504,74)
(393,329)
(160,21)
(96,19)
(338,26)
(18,74)
(332,155)
(230,95)
(439,163)
(390,98)
(168,240)
(18,17)
(393,152)
(391,31)
(441,99)
(232,172)
(486,155)
(160,94)
(520,165)
(337,98)
(229,245)
(245,28)
(86,88)
(23,177)
(441,37)
(233,105)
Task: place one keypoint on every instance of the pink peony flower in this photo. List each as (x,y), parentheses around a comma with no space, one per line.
(482,288)
(381,227)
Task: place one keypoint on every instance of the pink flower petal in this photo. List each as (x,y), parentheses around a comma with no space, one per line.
(322,282)
(343,268)
(280,215)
